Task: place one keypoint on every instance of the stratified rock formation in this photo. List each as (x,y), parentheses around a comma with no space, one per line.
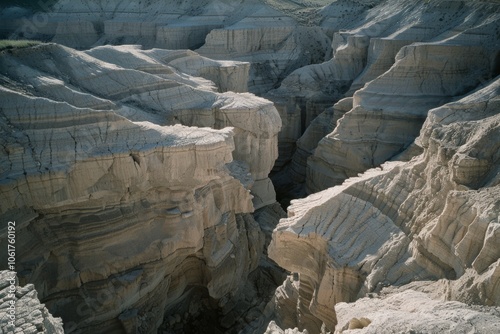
(431,214)
(385,111)
(265,33)
(397,59)
(291,179)
(21,311)
(271,41)
(388,112)
(433,217)
(98,164)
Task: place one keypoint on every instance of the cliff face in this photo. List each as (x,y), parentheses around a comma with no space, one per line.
(433,217)
(432,214)
(393,313)
(385,112)
(397,60)
(96,167)
(388,111)
(265,33)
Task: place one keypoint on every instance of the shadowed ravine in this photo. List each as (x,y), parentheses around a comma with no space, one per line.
(150,149)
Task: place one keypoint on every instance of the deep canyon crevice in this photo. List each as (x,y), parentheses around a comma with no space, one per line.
(149,148)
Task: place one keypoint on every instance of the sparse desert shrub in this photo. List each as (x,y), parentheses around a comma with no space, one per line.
(6,44)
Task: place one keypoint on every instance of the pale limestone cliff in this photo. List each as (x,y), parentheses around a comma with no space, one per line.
(306,92)
(431,214)
(435,216)
(95,167)
(21,311)
(227,75)
(140,81)
(388,112)
(271,41)
(290,180)
(272,35)
(275,329)
(369,44)
(381,229)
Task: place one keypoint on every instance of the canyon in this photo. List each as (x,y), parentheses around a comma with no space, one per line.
(150,150)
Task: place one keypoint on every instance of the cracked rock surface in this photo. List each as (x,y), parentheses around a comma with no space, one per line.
(433,217)
(30,315)
(384,112)
(132,183)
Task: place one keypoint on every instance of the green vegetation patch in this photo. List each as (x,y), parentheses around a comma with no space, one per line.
(6,44)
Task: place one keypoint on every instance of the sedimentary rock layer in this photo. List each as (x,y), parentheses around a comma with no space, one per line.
(271,41)
(389,111)
(98,118)
(227,75)
(270,34)
(290,181)
(97,165)
(429,52)
(435,216)
(142,86)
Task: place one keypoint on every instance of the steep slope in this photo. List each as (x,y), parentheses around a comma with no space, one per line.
(271,41)
(182,215)
(144,82)
(272,35)
(96,163)
(388,111)
(433,217)
(397,59)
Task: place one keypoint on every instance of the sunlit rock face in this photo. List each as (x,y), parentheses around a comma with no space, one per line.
(271,41)
(276,37)
(433,217)
(139,176)
(393,312)
(21,309)
(389,111)
(150,86)
(397,60)
(131,180)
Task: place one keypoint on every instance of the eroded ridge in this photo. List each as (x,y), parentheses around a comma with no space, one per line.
(434,217)
(116,153)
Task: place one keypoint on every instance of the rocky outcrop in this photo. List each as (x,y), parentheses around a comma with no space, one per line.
(99,161)
(394,313)
(275,329)
(21,311)
(167,149)
(389,111)
(306,92)
(432,217)
(385,41)
(381,228)
(265,33)
(271,41)
(227,75)
(147,83)
(172,25)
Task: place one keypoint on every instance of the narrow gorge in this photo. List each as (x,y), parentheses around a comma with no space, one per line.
(252,166)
